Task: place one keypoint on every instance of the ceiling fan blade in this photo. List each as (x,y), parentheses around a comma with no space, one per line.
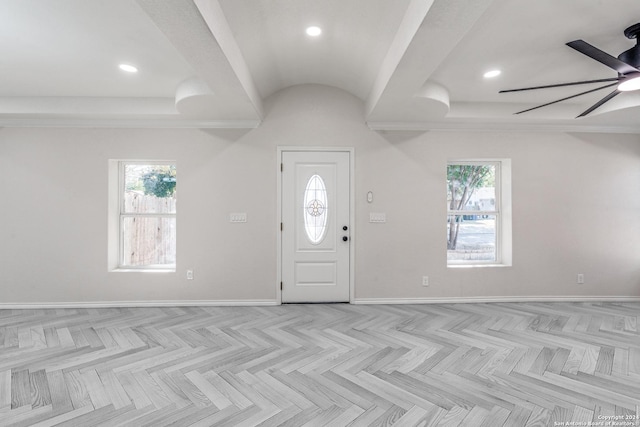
(568,97)
(602,57)
(583,82)
(599,103)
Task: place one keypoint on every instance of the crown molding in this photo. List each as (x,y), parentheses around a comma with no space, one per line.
(128,123)
(498,126)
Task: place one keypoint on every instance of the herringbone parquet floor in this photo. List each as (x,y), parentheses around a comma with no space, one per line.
(512,364)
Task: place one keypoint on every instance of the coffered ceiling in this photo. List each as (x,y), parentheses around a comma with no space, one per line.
(415,64)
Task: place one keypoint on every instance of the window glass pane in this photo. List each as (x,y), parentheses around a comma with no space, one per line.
(149,241)
(315,209)
(471,238)
(471,187)
(149,188)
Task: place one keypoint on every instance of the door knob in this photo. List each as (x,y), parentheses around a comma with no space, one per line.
(345,238)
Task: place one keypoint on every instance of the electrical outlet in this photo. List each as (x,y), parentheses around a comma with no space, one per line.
(189,274)
(580,279)
(425,280)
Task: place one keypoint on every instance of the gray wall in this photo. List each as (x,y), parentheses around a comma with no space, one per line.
(575,209)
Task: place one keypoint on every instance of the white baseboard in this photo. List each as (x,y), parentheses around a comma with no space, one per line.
(117,304)
(467,300)
(389,301)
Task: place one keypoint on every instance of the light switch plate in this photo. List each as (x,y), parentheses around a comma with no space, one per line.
(377,217)
(238,217)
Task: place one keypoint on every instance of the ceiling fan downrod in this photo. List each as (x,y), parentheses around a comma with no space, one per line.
(632,56)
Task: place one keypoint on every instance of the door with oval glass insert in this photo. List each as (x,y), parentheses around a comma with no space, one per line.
(316,231)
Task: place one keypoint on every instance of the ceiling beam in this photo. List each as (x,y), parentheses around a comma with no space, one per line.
(215,19)
(430,30)
(413,18)
(202,36)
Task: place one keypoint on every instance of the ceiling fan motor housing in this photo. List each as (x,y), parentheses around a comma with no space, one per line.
(631,56)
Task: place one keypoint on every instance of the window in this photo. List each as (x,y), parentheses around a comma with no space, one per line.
(147,215)
(315,209)
(478,231)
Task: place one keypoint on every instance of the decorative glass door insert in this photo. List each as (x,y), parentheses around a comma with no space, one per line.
(315,209)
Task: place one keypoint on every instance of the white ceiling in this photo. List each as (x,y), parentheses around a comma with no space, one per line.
(415,64)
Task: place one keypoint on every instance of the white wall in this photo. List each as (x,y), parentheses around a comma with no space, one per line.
(575,205)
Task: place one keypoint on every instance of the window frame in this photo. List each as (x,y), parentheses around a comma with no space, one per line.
(122,215)
(497,212)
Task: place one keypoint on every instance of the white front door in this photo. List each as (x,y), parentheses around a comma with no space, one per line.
(316,234)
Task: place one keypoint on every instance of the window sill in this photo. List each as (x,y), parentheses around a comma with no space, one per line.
(454,266)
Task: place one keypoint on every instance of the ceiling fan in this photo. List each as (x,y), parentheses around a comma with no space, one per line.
(627,64)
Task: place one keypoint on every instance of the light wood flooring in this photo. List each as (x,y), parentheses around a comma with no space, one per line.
(511,364)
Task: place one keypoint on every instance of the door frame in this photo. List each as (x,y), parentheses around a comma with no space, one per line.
(351,151)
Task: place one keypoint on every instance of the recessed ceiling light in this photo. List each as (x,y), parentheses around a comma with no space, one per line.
(629,85)
(128,68)
(314,31)
(491,74)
